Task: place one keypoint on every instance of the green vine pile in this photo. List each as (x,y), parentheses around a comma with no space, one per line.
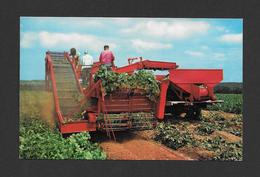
(140,80)
(38,141)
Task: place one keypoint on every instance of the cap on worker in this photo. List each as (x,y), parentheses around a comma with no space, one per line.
(86,51)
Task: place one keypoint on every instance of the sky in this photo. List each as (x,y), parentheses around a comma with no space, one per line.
(190,42)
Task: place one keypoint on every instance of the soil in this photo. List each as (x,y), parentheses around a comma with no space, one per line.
(145,134)
(196,152)
(139,145)
(131,146)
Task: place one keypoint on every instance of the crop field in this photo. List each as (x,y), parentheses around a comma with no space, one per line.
(40,139)
(218,136)
(232,103)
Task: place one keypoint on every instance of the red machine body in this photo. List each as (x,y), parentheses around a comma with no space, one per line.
(181,90)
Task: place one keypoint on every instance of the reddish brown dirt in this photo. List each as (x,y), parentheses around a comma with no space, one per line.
(131,146)
(145,134)
(196,152)
(139,145)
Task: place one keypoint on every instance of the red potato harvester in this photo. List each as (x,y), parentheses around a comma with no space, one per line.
(181,91)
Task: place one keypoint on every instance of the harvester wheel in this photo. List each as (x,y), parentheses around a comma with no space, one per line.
(177,111)
(194,113)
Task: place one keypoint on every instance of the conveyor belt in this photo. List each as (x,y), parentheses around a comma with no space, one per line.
(67,90)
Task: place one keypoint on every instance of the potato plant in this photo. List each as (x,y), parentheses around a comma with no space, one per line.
(38,137)
(140,80)
(232,103)
(38,141)
(215,121)
(172,136)
(205,128)
(224,150)
(176,134)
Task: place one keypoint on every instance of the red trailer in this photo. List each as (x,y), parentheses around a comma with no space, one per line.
(181,91)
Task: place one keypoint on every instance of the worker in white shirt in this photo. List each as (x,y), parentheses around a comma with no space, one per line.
(86,62)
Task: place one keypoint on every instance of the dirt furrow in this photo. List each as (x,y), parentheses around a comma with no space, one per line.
(133,147)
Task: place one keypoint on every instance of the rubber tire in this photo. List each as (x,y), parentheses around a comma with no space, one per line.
(194,113)
(177,111)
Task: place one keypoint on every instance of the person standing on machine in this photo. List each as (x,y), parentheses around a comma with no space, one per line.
(86,64)
(107,57)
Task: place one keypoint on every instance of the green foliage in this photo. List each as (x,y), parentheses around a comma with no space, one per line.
(236,125)
(206,128)
(172,136)
(141,80)
(233,103)
(224,150)
(38,141)
(176,134)
(216,121)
